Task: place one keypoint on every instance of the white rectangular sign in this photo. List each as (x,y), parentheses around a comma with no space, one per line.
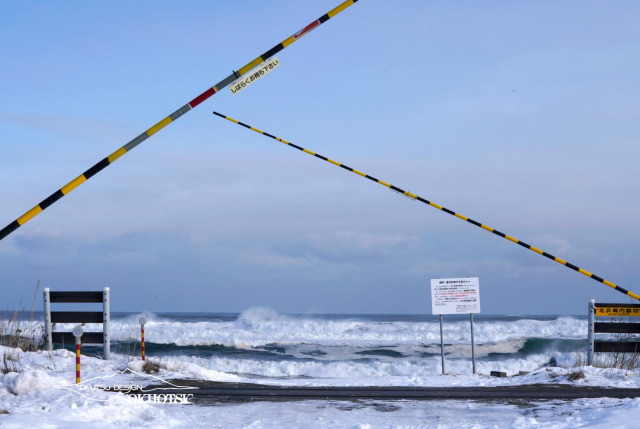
(455,296)
(254,75)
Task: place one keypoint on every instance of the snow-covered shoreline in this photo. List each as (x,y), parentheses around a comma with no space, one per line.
(41,393)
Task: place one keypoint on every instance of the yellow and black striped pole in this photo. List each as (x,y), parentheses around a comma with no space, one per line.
(166,121)
(444,209)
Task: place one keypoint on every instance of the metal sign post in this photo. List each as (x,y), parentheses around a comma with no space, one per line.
(473,346)
(442,346)
(456,296)
(591,331)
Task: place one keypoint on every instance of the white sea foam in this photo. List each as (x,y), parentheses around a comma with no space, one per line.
(344,369)
(262,326)
(288,350)
(284,346)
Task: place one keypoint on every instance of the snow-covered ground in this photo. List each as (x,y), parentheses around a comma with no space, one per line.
(40,392)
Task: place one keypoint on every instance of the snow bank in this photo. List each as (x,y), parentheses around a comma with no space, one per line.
(43,395)
(19,383)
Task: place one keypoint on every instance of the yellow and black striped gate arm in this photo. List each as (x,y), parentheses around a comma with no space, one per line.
(166,121)
(444,209)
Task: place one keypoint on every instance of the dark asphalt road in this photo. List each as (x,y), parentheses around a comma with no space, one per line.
(258,392)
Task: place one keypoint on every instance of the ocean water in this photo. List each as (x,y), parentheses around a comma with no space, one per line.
(261,344)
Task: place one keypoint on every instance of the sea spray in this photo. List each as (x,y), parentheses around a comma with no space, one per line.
(262,343)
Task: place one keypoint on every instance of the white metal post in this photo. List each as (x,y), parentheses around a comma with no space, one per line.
(442,345)
(591,331)
(47,318)
(105,325)
(473,348)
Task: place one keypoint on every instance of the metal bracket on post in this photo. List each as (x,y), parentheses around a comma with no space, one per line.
(105,325)
(591,331)
(47,318)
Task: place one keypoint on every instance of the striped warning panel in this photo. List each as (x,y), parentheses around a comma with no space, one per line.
(439,207)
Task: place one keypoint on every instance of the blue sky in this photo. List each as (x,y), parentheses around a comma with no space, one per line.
(521,115)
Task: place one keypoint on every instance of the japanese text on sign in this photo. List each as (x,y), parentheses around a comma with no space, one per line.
(455,296)
(617,311)
(254,75)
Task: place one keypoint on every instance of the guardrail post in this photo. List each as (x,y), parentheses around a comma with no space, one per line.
(47,318)
(105,325)
(591,331)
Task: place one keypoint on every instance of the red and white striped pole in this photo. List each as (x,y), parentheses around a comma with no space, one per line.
(77,332)
(142,321)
